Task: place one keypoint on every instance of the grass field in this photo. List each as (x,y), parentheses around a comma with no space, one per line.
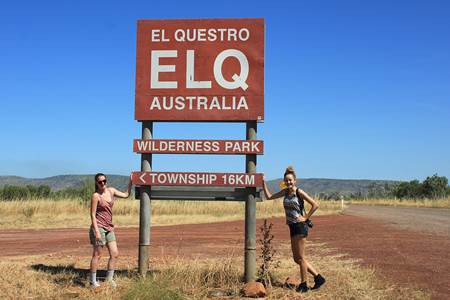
(71,214)
(43,277)
(436,203)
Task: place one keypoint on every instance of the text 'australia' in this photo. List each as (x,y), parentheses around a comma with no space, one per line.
(198,103)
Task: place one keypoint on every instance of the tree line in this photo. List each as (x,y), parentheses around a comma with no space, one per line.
(433,187)
(32,192)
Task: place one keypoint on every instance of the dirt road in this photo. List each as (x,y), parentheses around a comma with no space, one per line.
(426,220)
(403,256)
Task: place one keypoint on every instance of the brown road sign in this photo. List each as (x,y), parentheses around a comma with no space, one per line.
(199,146)
(200,70)
(197,179)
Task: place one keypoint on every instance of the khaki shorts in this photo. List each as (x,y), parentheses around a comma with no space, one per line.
(105,236)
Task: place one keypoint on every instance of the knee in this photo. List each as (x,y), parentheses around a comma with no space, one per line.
(96,255)
(299,259)
(115,254)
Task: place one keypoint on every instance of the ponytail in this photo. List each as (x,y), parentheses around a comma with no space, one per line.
(290,170)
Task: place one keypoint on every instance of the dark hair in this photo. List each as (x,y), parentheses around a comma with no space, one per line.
(96,178)
(289,170)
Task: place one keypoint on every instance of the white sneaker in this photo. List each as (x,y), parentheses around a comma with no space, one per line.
(95,285)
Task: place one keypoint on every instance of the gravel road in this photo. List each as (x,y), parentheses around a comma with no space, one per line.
(425,220)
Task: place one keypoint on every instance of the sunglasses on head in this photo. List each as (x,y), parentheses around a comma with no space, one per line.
(102,181)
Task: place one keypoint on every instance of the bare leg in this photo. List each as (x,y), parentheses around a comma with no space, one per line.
(298,250)
(96,254)
(113,254)
(298,245)
(311,269)
(303,266)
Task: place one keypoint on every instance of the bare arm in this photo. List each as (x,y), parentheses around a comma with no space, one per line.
(269,196)
(123,194)
(311,201)
(94,203)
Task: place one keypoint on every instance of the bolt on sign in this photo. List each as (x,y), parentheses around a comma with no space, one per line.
(200,70)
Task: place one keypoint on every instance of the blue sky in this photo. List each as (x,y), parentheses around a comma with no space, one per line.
(353,89)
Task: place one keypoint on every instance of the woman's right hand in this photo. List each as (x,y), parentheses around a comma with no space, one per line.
(98,236)
(301,218)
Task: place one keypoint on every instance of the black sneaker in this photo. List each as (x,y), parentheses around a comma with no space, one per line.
(318,282)
(302,288)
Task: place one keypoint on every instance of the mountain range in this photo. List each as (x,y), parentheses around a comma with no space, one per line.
(312,186)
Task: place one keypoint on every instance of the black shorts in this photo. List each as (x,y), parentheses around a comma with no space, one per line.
(300,229)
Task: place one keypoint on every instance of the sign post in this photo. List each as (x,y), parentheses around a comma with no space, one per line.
(209,70)
(145,207)
(250,213)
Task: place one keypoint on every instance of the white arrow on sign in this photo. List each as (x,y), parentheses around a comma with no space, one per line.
(142,177)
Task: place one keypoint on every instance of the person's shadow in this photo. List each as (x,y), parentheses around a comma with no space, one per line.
(77,276)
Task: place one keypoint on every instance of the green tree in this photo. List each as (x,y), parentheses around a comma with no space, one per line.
(435,186)
(32,191)
(11,192)
(412,189)
(86,191)
(43,191)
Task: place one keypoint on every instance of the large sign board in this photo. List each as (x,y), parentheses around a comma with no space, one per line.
(200,70)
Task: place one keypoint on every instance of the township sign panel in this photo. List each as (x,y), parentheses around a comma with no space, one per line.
(200,70)
(197,179)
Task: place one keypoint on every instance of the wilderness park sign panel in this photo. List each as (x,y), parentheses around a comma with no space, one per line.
(200,70)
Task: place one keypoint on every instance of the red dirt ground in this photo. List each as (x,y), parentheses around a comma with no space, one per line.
(402,257)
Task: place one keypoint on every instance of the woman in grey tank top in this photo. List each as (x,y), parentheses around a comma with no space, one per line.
(297,219)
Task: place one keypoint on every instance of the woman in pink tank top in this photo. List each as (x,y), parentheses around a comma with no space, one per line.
(101,232)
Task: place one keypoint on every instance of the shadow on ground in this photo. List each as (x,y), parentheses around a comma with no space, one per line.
(79,276)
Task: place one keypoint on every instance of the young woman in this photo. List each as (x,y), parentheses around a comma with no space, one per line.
(293,203)
(101,232)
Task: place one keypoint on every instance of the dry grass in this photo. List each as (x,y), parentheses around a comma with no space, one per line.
(44,277)
(71,214)
(435,203)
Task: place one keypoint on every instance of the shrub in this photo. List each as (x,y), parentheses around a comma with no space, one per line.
(149,289)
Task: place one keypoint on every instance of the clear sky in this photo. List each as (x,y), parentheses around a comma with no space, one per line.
(353,89)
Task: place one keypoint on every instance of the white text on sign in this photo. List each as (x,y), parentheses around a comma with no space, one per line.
(202,35)
(197,179)
(199,146)
(239,81)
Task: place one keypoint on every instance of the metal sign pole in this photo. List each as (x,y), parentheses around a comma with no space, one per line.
(145,208)
(250,212)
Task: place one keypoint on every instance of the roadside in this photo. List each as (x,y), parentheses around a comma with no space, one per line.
(406,245)
(426,220)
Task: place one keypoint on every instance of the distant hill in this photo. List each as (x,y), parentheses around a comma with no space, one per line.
(312,186)
(62,181)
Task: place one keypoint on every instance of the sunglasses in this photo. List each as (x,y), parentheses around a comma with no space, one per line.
(102,181)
